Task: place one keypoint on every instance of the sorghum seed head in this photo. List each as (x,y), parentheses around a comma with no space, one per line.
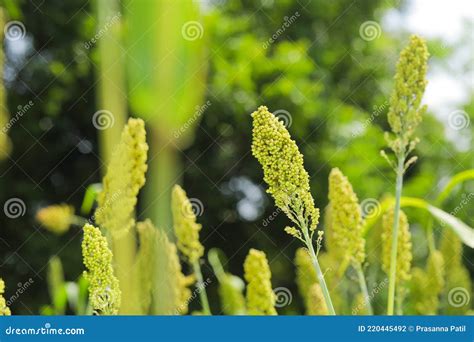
(56,218)
(260,296)
(283,169)
(185,226)
(123,180)
(104,291)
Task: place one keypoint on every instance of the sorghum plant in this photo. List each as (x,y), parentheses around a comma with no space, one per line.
(288,182)
(308,286)
(404,253)
(116,210)
(57,218)
(163,256)
(404,116)
(344,223)
(104,291)
(4,310)
(426,286)
(230,287)
(187,233)
(260,296)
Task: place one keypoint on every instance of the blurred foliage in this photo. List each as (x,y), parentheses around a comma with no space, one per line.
(319,72)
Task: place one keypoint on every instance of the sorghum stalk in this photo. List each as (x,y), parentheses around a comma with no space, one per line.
(404,116)
(403,254)
(201,288)
(230,287)
(319,273)
(363,288)
(394,249)
(288,182)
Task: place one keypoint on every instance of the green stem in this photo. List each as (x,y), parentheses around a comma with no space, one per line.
(201,288)
(216,264)
(363,288)
(319,273)
(393,255)
(163,173)
(110,77)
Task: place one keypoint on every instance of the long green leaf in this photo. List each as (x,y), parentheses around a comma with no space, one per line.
(465,233)
(455,180)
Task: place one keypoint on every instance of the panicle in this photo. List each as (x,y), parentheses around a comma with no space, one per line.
(145,264)
(185,226)
(404,255)
(456,274)
(123,180)
(405,111)
(176,292)
(345,219)
(435,270)
(104,291)
(56,218)
(4,309)
(260,296)
(359,305)
(315,303)
(283,169)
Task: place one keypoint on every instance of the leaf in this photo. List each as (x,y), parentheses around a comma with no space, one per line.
(455,180)
(465,233)
(89,197)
